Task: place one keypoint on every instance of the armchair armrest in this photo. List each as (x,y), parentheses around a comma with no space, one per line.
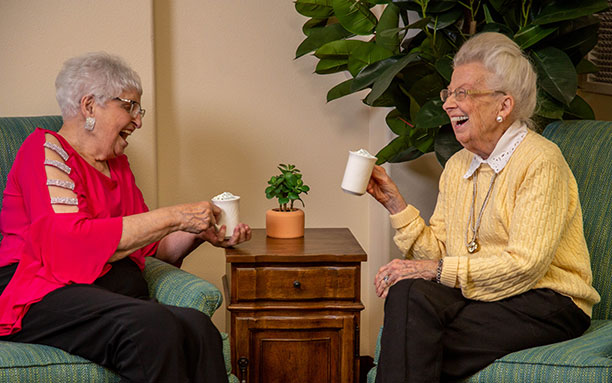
(173,286)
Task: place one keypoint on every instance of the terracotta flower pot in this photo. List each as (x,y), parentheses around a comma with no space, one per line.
(285,224)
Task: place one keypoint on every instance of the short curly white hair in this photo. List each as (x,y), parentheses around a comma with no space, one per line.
(99,74)
(512,71)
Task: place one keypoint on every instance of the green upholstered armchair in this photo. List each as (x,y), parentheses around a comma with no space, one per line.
(587,147)
(36,363)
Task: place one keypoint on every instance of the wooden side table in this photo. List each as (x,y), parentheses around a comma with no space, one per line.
(295,306)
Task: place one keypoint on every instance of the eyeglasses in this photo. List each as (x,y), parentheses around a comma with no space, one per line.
(135,108)
(460,93)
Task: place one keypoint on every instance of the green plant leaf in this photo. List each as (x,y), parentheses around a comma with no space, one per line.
(409,5)
(487,14)
(339,49)
(445,144)
(549,108)
(431,115)
(383,82)
(580,109)
(447,18)
(372,72)
(427,88)
(531,34)
(496,27)
(321,36)
(566,10)
(444,66)
(340,90)
(440,6)
(400,148)
(387,33)
(398,123)
(365,55)
(327,66)
(556,73)
(585,66)
(354,16)
(313,24)
(314,8)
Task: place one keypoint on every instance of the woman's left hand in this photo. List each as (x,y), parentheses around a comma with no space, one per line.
(399,269)
(242,233)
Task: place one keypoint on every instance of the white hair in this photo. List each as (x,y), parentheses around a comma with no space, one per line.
(98,74)
(512,71)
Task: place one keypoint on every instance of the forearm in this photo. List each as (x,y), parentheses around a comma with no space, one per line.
(176,246)
(143,229)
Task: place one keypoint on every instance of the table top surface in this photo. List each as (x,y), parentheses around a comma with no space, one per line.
(317,245)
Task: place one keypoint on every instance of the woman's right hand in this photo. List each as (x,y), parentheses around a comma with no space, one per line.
(385,191)
(198,217)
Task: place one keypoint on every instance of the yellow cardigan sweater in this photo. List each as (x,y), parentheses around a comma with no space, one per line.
(530,235)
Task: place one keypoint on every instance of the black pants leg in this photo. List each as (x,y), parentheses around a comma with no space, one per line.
(432,333)
(142,340)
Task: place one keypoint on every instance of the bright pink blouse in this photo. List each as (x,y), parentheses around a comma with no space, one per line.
(54,250)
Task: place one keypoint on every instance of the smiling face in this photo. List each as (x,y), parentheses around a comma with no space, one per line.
(114,125)
(474,118)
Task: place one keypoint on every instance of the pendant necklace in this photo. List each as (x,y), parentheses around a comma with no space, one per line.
(474,222)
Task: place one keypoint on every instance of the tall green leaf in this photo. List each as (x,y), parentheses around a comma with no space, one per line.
(365,55)
(339,49)
(354,16)
(383,82)
(387,34)
(340,90)
(321,36)
(334,65)
(373,72)
(398,123)
(314,8)
(566,10)
(580,109)
(557,75)
(398,150)
(431,115)
(532,34)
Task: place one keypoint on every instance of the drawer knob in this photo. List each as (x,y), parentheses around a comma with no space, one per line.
(297,284)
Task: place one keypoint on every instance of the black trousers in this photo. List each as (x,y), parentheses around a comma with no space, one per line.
(114,324)
(432,333)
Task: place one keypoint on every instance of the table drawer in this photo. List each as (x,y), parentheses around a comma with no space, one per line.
(295,283)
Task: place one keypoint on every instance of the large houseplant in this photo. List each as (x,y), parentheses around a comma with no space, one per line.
(286,221)
(404,57)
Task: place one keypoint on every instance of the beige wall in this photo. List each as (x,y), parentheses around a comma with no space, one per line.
(37,36)
(232,103)
(227,102)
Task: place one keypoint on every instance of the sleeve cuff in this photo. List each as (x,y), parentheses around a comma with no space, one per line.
(449,271)
(404,217)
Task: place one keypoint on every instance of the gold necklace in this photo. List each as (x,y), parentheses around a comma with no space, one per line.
(473,245)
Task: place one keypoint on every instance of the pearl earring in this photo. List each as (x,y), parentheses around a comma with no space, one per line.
(90,122)
(499,119)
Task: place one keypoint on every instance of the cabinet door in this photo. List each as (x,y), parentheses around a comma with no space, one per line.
(297,349)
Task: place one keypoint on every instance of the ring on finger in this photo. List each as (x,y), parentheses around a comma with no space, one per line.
(386,279)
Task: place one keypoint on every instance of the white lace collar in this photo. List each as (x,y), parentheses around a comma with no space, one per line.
(500,156)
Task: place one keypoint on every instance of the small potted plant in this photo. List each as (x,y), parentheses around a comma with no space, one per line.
(286,221)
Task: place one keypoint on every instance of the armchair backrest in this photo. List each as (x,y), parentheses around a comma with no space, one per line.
(587,147)
(13,131)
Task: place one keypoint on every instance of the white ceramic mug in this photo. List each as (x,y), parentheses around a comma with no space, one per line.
(357,172)
(230,213)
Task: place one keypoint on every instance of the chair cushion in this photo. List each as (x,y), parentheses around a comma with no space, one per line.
(165,281)
(20,362)
(584,359)
(587,148)
(580,360)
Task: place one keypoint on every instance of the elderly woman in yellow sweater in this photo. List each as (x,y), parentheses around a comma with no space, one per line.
(503,264)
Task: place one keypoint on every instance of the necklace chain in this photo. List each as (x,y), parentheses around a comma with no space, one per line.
(474,224)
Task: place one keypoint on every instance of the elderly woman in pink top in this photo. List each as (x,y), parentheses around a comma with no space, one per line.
(76,231)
